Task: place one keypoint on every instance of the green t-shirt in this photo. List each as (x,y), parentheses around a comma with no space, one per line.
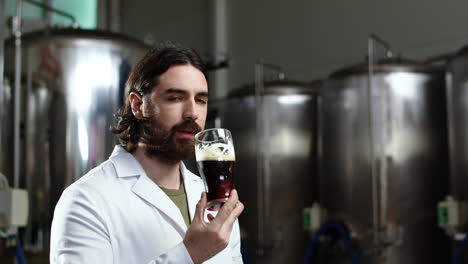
(180,199)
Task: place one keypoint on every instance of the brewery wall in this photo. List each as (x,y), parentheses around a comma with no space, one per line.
(308,38)
(168,20)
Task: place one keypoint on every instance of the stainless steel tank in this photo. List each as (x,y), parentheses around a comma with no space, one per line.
(72,84)
(383,160)
(274,139)
(457,105)
(6,130)
(457,98)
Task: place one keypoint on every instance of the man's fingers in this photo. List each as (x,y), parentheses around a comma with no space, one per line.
(228,207)
(238,209)
(234,194)
(200,208)
(229,222)
(231,202)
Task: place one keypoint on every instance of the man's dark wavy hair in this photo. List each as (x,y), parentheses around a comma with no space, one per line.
(143,78)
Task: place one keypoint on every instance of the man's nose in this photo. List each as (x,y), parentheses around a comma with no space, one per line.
(190,111)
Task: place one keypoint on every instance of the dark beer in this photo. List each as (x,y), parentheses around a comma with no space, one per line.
(218,177)
(214,151)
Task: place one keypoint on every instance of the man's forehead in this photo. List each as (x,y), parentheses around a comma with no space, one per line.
(182,78)
(182,70)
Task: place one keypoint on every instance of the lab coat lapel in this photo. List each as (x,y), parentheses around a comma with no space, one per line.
(150,192)
(193,190)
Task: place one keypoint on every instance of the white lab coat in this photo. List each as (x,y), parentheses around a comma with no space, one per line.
(117,214)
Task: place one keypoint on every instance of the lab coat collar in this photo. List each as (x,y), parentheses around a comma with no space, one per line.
(126,165)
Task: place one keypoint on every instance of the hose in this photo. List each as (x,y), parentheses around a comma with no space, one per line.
(344,236)
(19,253)
(459,251)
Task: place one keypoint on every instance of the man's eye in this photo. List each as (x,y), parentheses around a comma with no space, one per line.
(174,99)
(202,101)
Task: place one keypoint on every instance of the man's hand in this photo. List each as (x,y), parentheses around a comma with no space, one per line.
(204,240)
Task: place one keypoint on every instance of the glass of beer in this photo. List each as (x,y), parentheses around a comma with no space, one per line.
(216,160)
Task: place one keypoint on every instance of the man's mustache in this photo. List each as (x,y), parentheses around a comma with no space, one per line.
(187,125)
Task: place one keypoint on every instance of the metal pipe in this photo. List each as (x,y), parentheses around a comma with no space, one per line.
(17,95)
(2,92)
(51,9)
(385,44)
(259,77)
(375,202)
(259,91)
(48,15)
(377,141)
(114,15)
(219,47)
(450,101)
(263,160)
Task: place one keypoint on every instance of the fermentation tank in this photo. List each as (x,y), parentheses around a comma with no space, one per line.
(72,84)
(457,98)
(274,138)
(383,160)
(457,105)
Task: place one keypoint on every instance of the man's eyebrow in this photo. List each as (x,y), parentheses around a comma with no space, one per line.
(181,91)
(175,90)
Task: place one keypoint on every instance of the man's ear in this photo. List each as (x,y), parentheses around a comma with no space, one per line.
(136,103)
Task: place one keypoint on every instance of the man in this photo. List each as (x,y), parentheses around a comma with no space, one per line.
(142,205)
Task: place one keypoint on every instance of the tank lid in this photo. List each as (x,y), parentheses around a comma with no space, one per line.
(385,66)
(77,33)
(283,87)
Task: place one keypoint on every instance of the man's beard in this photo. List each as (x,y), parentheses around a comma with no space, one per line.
(163,144)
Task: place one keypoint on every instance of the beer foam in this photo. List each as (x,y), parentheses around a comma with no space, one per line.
(216,151)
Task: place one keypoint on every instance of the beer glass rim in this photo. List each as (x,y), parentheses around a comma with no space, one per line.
(197,135)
